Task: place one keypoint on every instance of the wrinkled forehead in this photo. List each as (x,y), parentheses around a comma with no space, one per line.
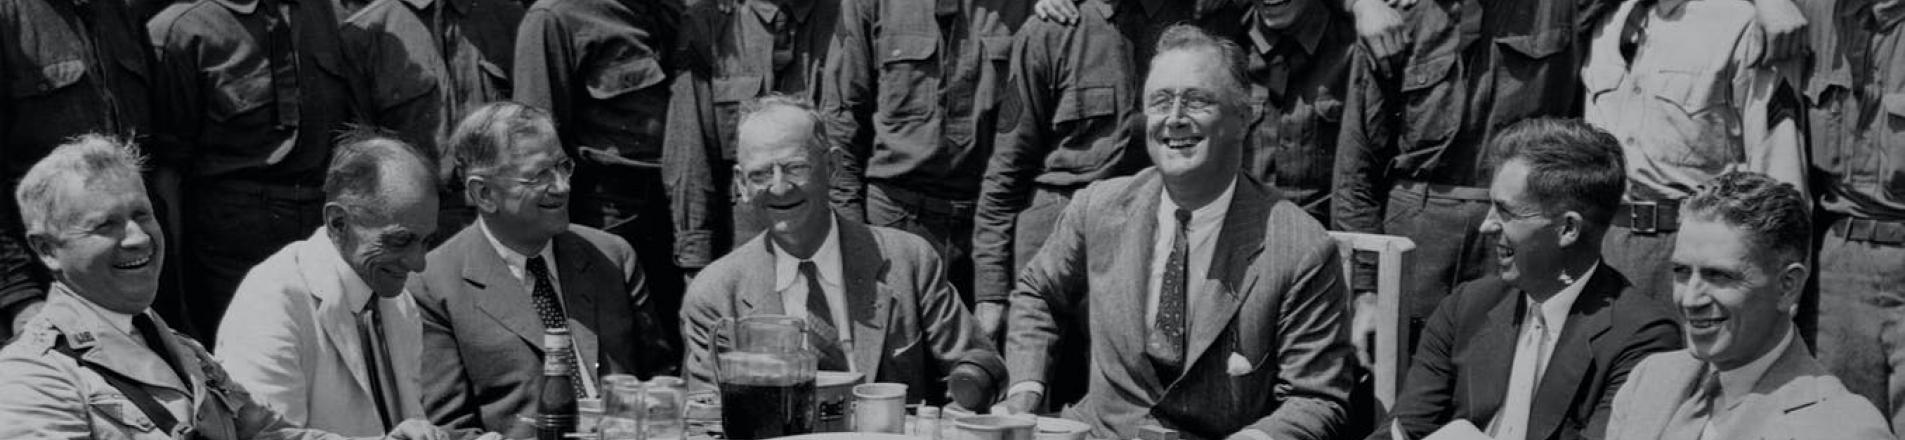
(775,135)
(1189,68)
(76,196)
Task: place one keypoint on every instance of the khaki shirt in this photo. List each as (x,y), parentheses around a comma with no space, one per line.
(49,394)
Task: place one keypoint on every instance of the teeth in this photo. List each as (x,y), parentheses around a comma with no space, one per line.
(135,263)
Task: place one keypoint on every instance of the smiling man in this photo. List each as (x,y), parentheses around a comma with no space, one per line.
(877,299)
(1217,306)
(1550,337)
(1739,265)
(491,290)
(322,331)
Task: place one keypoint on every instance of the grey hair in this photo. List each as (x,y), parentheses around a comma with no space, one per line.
(90,159)
(817,143)
(358,164)
(1183,37)
(483,137)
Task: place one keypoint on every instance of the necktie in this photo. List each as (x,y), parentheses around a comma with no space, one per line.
(1165,343)
(1691,421)
(820,317)
(551,311)
(370,329)
(1524,376)
(284,62)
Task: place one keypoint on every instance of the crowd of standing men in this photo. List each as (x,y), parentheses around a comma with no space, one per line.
(972,124)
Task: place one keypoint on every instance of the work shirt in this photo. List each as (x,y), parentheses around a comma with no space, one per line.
(601,68)
(736,50)
(1426,114)
(1070,115)
(911,94)
(1694,101)
(1299,63)
(418,66)
(1855,94)
(233,101)
(70,67)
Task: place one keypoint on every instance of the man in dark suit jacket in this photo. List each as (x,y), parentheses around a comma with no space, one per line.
(1216,308)
(490,291)
(1537,350)
(885,307)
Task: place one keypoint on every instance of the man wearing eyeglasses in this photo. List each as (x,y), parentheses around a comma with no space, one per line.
(876,299)
(491,291)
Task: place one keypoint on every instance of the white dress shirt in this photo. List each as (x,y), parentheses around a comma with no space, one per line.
(1512,422)
(793,287)
(1205,224)
(518,265)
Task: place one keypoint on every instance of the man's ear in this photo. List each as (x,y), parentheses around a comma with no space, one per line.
(1792,283)
(336,217)
(43,247)
(477,191)
(1570,229)
(739,186)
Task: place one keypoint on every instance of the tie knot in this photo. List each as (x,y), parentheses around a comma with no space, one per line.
(809,269)
(1183,216)
(537,266)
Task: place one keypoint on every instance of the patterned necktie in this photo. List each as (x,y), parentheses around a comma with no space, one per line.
(551,311)
(1165,344)
(820,317)
(370,329)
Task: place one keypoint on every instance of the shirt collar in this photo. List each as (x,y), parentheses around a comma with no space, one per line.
(1555,309)
(826,259)
(356,292)
(1212,212)
(118,321)
(1738,382)
(1304,21)
(517,262)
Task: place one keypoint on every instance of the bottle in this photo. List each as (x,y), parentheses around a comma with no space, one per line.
(926,424)
(556,404)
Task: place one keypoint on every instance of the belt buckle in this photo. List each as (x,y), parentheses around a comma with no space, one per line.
(1644,217)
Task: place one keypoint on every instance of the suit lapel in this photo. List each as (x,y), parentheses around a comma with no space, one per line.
(862,263)
(1573,353)
(757,296)
(496,293)
(1495,346)
(1133,217)
(573,264)
(1238,244)
(339,320)
(1783,389)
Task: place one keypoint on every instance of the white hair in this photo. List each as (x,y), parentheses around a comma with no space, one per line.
(86,159)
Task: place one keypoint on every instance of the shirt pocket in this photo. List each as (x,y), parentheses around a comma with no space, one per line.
(1693,121)
(909,85)
(117,414)
(1890,175)
(1432,99)
(393,91)
(729,95)
(236,99)
(621,77)
(45,79)
(1086,110)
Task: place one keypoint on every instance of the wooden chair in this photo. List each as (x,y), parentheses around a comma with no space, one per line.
(1392,254)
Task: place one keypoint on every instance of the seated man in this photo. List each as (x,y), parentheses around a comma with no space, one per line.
(322,331)
(1739,265)
(97,362)
(490,291)
(1217,307)
(877,299)
(1551,335)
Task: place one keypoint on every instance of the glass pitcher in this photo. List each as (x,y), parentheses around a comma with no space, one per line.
(766,368)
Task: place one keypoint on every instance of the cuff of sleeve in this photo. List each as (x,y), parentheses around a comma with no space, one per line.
(1026,386)
(992,284)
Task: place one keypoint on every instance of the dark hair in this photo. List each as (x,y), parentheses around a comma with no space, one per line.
(1772,213)
(362,156)
(1572,166)
(1189,37)
(481,138)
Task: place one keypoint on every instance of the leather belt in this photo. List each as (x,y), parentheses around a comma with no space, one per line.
(1649,217)
(1883,232)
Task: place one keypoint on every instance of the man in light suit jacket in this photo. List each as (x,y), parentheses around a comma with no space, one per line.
(1739,265)
(491,291)
(1537,350)
(299,333)
(883,307)
(1230,324)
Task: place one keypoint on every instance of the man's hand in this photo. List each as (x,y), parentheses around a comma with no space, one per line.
(1362,329)
(1022,403)
(1058,11)
(416,429)
(991,317)
(1785,30)
(1379,23)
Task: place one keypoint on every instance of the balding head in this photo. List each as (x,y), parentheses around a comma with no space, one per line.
(380,205)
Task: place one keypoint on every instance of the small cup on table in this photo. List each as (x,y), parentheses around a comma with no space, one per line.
(879,407)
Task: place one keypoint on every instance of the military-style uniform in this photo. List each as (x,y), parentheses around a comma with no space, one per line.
(54,387)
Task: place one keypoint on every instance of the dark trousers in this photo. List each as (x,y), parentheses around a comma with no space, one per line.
(1861,319)
(231,226)
(1643,258)
(1445,224)
(947,224)
(634,205)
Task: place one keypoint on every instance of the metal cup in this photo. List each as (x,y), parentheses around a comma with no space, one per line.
(879,407)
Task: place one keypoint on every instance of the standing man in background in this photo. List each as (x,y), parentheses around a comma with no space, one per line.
(249,94)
